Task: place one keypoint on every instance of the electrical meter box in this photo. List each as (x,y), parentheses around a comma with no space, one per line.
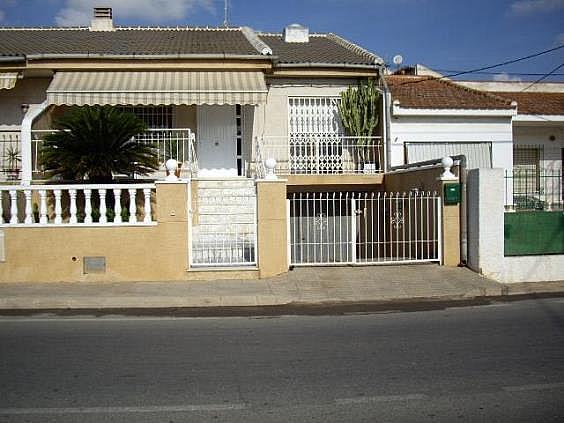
(452,194)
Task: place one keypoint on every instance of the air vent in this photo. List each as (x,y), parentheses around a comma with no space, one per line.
(102,20)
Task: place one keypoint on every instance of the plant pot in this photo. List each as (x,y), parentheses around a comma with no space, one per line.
(13,174)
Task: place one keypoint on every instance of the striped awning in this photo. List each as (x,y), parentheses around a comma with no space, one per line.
(154,88)
(8,80)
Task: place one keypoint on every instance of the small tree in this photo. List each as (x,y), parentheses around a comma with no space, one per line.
(359,113)
(96,142)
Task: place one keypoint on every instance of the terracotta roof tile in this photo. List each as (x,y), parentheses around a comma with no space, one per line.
(536,103)
(423,92)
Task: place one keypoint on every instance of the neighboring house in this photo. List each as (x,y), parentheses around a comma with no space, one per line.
(538,139)
(432,117)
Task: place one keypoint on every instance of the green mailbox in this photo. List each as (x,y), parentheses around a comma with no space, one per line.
(452,194)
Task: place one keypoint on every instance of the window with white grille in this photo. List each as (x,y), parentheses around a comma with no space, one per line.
(314,115)
(315,135)
(156,117)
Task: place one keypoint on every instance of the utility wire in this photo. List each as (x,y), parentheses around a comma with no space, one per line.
(497,73)
(507,62)
(543,77)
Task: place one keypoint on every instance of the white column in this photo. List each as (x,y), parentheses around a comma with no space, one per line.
(117,205)
(147,209)
(13,206)
(87,206)
(72,196)
(42,206)
(103,209)
(132,205)
(58,208)
(28,220)
(32,113)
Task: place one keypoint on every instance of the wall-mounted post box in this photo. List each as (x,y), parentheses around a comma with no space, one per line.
(452,194)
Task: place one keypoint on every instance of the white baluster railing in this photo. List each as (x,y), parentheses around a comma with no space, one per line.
(76,205)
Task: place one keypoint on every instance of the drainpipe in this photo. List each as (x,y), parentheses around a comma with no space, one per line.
(387,116)
(32,113)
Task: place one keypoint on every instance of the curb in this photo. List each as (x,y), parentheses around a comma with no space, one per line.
(290,308)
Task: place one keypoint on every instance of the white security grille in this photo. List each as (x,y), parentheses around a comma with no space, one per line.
(315,132)
(368,228)
(223,228)
(314,115)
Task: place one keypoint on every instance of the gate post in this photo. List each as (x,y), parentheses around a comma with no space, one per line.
(450,186)
(272,228)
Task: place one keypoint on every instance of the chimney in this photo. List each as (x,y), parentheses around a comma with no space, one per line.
(296,33)
(102,20)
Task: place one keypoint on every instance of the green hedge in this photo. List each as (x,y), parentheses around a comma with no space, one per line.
(529,233)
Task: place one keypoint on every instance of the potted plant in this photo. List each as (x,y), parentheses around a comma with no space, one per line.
(359,113)
(13,159)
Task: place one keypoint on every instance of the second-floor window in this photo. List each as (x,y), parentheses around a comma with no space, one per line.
(314,115)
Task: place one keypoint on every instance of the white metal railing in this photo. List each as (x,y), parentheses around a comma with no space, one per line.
(97,205)
(176,143)
(322,154)
(10,155)
(368,228)
(225,232)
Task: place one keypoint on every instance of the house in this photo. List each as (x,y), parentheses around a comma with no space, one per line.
(221,101)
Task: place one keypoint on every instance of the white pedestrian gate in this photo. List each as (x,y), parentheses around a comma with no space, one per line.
(364,228)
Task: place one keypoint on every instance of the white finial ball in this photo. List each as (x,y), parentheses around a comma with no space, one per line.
(270,163)
(447,162)
(171,166)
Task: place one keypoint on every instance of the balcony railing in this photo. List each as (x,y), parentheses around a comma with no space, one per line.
(77,205)
(177,143)
(321,154)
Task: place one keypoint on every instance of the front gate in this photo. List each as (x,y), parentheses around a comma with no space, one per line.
(364,228)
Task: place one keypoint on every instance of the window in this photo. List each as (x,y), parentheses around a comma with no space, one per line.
(526,169)
(315,135)
(156,117)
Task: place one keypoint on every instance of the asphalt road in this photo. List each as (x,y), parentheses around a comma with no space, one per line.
(502,362)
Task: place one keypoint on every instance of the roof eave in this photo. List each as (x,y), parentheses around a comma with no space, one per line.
(327,65)
(223,56)
(415,111)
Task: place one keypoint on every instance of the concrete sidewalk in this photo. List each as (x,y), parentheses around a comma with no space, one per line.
(312,285)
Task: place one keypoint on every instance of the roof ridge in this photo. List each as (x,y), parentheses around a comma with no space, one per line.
(256,42)
(354,47)
(123,28)
(483,93)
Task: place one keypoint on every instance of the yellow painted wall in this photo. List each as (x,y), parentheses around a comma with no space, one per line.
(133,253)
(272,228)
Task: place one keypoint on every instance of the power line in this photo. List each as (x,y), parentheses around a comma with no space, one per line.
(483,68)
(497,73)
(543,77)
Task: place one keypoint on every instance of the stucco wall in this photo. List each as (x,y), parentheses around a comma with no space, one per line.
(26,91)
(496,130)
(539,135)
(271,119)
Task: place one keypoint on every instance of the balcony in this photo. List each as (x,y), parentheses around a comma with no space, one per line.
(176,143)
(337,159)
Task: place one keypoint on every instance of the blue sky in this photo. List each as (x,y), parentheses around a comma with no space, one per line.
(442,34)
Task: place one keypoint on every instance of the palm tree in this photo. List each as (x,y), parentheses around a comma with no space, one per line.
(94,143)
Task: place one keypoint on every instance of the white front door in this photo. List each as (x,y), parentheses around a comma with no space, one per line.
(217,141)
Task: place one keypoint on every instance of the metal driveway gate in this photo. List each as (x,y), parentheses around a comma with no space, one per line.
(364,228)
